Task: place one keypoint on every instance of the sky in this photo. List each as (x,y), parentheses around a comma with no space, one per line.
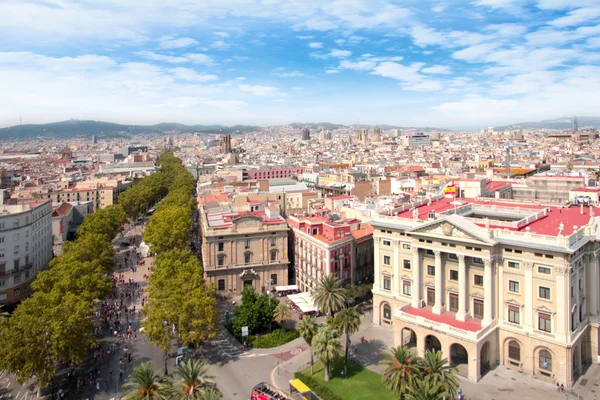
(457,64)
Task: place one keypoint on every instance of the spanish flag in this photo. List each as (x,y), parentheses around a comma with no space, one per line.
(450,189)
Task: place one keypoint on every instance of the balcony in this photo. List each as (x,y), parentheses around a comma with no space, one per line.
(446,323)
(17,271)
(250,264)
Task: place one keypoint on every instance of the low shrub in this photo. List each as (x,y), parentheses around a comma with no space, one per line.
(275,339)
(322,391)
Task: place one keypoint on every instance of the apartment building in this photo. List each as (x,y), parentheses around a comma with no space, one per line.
(491,283)
(102,192)
(244,248)
(25,247)
(322,247)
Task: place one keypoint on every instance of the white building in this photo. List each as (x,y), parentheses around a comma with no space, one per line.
(25,247)
(417,140)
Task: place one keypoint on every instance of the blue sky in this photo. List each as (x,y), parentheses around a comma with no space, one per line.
(445,63)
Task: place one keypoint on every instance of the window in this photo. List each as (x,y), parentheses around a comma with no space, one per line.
(544,270)
(406,264)
(477,260)
(247,257)
(221,246)
(429,252)
(17,292)
(221,261)
(221,284)
(387,283)
(273,255)
(513,286)
(273,279)
(544,293)
(430,296)
(508,250)
(545,360)
(538,254)
(580,284)
(387,312)
(453,275)
(387,243)
(17,279)
(518,251)
(16,250)
(247,244)
(515,265)
(478,309)
(406,288)
(406,246)
(431,270)
(1,239)
(549,256)
(572,292)
(452,256)
(3,296)
(453,302)
(544,323)
(387,260)
(514,315)
(478,280)
(273,241)
(514,350)
(2,283)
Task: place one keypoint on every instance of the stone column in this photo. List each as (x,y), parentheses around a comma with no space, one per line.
(397,287)
(528,294)
(593,285)
(416,284)
(488,285)
(463,296)
(501,308)
(377,277)
(438,308)
(562,304)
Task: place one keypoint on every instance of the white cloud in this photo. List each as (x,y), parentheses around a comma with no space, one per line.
(305,37)
(474,53)
(315,45)
(259,90)
(332,71)
(358,65)
(177,43)
(282,73)
(340,42)
(187,74)
(577,17)
(409,76)
(340,53)
(221,34)
(220,44)
(149,55)
(437,69)
(504,4)
(198,58)
(424,36)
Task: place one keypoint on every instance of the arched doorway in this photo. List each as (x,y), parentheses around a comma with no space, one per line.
(459,358)
(432,343)
(408,338)
(544,364)
(484,359)
(514,353)
(386,313)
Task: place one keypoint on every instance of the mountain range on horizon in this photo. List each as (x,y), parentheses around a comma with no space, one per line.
(87,128)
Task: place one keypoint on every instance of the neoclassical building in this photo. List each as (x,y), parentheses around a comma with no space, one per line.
(491,283)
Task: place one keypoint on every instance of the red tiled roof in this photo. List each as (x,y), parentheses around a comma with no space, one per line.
(472,324)
(587,189)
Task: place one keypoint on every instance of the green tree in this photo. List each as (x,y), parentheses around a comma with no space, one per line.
(144,384)
(106,222)
(401,369)
(169,229)
(281,314)
(210,394)
(326,347)
(255,311)
(193,379)
(425,390)
(437,369)
(348,322)
(329,296)
(308,329)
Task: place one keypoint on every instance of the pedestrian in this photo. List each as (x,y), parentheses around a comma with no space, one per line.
(97,385)
(105,386)
(129,358)
(557,387)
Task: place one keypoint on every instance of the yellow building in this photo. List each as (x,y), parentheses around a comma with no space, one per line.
(491,283)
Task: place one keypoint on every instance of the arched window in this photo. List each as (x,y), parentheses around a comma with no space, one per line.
(514,350)
(387,311)
(545,360)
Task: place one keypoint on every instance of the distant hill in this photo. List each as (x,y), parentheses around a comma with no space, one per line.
(317,125)
(77,128)
(558,123)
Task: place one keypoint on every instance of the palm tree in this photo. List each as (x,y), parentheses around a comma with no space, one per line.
(326,346)
(400,371)
(308,329)
(281,314)
(439,371)
(348,321)
(144,384)
(329,296)
(193,379)
(426,390)
(210,394)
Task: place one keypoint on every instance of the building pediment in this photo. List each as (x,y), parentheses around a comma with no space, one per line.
(454,227)
(247,221)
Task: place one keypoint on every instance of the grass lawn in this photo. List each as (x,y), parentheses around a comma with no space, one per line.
(361,383)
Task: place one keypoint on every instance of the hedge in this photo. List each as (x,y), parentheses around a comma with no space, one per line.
(322,391)
(267,340)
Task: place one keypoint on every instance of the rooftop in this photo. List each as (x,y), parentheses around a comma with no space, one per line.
(472,324)
(224,219)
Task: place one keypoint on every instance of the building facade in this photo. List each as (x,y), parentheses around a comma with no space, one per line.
(25,247)
(490,283)
(274,173)
(323,247)
(244,249)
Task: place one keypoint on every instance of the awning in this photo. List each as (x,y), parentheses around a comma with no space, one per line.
(299,386)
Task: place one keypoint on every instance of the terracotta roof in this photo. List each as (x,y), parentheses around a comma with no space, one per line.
(62,210)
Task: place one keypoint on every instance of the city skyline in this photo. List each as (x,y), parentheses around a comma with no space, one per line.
(449,64)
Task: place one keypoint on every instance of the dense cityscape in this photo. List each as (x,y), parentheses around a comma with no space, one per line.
(299,200)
